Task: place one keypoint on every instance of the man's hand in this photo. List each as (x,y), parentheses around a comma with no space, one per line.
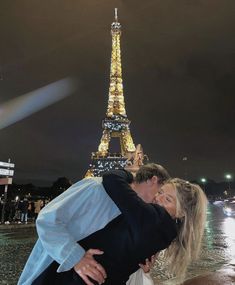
(148,263)
(89,267)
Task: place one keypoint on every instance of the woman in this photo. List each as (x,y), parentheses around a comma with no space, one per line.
(191,204)
(143,229)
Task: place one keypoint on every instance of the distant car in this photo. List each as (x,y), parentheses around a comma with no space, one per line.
(229,207)
(218,203)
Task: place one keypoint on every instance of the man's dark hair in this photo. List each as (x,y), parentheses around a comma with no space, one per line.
(149,170)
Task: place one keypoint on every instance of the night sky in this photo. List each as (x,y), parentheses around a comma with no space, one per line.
(178,60)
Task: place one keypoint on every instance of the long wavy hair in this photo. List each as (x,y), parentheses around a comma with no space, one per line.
(191,206)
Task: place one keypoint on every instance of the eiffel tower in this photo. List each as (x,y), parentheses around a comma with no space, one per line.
(115,124)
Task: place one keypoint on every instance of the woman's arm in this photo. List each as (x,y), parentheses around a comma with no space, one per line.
(116,184)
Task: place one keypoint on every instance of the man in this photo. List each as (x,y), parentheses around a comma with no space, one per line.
(82,210)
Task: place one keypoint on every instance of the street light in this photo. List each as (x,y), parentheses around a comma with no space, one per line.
(203,180)
(228,177)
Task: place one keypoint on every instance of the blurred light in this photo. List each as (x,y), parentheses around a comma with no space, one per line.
(229,210)
(203,180)
(229,230)
(27,104)
(228,176)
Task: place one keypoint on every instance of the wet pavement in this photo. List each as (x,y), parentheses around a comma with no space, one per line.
(218,252)
(225,276)
(15,246)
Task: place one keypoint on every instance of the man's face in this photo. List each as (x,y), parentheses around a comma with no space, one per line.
(166,197)
(148,189)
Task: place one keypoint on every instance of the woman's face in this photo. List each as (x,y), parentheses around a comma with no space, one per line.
(166,197)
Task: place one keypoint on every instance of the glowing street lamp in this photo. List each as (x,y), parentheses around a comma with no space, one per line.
(228,177)
(203,180)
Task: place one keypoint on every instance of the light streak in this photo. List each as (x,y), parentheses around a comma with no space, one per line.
(34,101)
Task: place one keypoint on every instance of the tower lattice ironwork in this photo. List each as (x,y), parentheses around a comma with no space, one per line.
(115,124)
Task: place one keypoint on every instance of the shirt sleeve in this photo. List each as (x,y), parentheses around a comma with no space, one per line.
(52,226)
(131,206)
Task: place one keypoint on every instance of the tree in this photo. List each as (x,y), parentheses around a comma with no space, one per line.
(60,185)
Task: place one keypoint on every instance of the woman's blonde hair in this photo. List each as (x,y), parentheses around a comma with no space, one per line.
(191,205)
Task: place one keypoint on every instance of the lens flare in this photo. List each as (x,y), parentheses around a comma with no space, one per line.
(34,101)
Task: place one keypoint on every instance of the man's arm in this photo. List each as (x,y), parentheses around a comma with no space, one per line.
(54,235)
(71,217)
(63,222)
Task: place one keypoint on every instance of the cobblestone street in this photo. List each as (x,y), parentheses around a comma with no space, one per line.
(15,245)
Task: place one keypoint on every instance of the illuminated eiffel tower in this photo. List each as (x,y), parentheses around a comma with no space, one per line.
(116,124)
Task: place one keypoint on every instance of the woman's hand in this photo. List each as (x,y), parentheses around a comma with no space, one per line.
(148,263)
